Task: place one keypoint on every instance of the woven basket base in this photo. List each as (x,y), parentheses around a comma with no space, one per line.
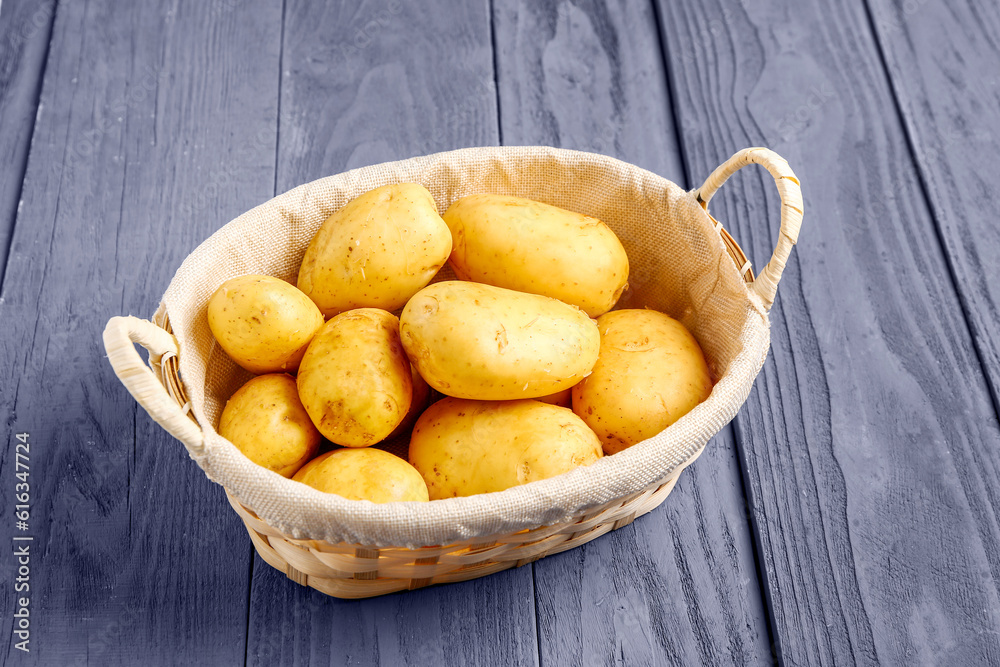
(354,571)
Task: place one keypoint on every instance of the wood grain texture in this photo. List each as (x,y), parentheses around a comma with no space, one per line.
(678,586)
(24,40)
(944,61)
(138,558)
(382,80)
(870,444)
(361,85)
(487,621)
(586,76)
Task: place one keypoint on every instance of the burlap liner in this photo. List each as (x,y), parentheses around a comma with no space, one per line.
(679,265)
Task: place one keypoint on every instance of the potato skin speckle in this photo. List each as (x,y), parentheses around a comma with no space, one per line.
(470,340)
(355,380)
(463,447)
(364,474)
(263,323)
(650,372)
(534,247)
(266,421)
(376,251)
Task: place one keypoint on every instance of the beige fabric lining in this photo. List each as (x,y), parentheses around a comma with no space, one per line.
(679,265)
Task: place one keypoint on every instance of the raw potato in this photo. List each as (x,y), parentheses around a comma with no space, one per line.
(651,372)
(267,422)
(532,247)
(264,324)
(364,474)
(466,447)
(377,251)
(355,380)
(477,341)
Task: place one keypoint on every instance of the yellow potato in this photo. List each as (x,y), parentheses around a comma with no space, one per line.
(421,397)
(532,247)
(651,372)
(477,341)
(364,474)
(263,323)
(464,447)
(377,251)
(355,380)
(267,422)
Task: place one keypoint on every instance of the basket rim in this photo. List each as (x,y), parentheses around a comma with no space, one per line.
(358,571)
(466,514)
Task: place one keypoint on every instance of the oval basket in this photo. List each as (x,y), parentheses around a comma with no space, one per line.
(682,262)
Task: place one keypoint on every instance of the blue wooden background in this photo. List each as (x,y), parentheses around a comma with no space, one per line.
(849,515)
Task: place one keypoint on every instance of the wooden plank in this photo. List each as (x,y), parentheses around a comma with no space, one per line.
(24,40)
(382,81)
(487,621)
(870,443)
(138,559)
(947,89)
(586,76)
(678,586)
(365,84)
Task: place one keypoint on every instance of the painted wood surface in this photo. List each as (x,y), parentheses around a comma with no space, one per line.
(867,450)
(137,559)
(678,586)
(944,66)
(869,443)
(25,29)
(362,85)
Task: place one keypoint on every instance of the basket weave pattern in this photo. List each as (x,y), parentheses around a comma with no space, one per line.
(355,549)
(353,571)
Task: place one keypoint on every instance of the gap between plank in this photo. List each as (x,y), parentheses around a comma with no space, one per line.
(750,516)
(911,146)
(22,168)
(773,640)
(674,110)
(281,79)
(277,154)
(496,94)
(534,608)
(246,636)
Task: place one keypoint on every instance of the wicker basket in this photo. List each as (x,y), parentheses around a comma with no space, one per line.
(348,569)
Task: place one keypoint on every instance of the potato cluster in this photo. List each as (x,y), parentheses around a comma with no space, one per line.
(533,373)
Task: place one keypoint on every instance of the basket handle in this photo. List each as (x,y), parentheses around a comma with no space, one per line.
(119,337)
(766,283)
